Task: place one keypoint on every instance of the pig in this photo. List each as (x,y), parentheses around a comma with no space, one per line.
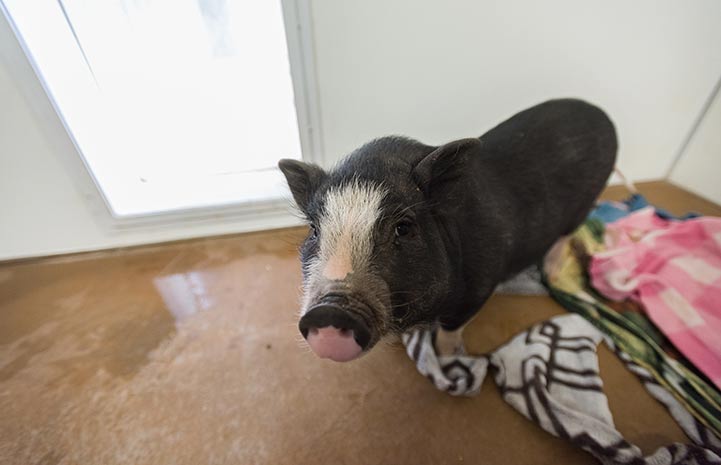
(405,235)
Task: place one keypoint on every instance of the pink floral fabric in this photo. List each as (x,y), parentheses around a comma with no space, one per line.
(673,269)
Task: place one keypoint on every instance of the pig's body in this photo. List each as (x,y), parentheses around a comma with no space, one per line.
(533,179)
(450,222)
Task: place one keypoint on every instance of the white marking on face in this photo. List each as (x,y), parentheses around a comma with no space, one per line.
(345,232)
(346,228)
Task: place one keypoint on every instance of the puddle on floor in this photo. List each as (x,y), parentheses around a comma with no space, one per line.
(92,351)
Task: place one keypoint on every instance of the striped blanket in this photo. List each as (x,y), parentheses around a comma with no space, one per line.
(673,269)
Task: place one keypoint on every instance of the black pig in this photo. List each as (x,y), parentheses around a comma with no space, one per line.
(405,234)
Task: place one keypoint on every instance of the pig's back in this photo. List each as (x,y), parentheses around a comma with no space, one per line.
(546,166)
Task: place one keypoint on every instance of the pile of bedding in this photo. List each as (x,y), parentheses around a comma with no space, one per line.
(648,285)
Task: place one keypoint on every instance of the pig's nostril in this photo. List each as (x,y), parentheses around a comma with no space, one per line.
(346,325)
(346,332)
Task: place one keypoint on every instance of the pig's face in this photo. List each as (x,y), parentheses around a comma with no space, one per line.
(374,262)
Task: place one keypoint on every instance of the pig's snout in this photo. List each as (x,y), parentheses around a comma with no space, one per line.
(335,333)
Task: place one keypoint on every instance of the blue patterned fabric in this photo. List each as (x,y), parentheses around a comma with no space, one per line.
(609,211)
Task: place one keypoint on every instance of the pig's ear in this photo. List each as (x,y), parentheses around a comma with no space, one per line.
(443,164)
(303,179)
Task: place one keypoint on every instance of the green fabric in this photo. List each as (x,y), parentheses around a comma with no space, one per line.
(631,332)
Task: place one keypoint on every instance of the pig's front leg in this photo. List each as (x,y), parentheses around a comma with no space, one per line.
(449,335)
(450,342)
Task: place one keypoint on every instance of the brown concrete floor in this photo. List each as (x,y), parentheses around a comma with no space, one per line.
(188,353)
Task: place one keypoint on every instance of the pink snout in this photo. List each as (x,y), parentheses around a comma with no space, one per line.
(335,332)
(336,344)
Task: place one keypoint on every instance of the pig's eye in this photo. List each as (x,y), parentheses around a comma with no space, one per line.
(403,229)
(313,231)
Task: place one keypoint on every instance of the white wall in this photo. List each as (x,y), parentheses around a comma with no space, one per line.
(443,70)
(428,69)
(699,169)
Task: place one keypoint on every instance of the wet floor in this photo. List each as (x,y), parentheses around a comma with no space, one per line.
(188,353)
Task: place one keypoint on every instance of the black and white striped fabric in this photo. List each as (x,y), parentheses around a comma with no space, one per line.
(550,374)
(458,374)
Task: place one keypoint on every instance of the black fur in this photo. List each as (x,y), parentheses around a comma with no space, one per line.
(474,211)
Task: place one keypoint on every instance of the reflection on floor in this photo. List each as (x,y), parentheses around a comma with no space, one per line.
(189,353)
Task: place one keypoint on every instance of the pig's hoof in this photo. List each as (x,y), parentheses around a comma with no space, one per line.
(457,374)
(448,343)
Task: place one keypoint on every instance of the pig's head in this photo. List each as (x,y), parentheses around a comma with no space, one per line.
(376,259)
